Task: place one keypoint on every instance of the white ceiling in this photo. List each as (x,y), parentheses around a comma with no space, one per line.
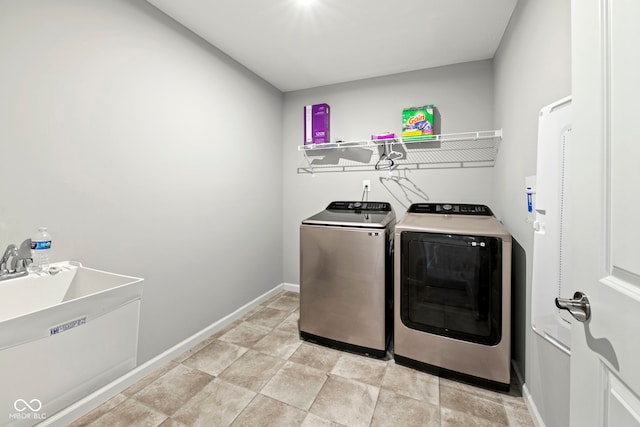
(296,46)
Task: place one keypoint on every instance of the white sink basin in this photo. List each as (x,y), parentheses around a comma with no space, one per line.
(76,290)
(64,336)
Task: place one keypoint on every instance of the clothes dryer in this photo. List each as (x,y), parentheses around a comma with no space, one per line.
(452,290)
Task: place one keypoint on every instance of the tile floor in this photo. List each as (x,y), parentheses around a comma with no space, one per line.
(257,372)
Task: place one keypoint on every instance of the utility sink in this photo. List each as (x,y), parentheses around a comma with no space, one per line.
(63,336)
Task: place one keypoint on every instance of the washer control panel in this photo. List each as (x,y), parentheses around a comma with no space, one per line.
(450,208)
(360,206)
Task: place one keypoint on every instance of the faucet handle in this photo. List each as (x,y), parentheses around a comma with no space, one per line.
(11,251)
(25,249)
(23,257)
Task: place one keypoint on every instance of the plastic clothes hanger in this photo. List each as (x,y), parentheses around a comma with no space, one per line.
(388,158)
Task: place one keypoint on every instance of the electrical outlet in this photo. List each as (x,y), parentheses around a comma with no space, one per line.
(366,185)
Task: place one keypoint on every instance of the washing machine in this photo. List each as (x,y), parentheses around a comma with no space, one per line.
(452,289)
(346,277)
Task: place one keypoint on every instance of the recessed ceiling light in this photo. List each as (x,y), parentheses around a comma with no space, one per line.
(306,2)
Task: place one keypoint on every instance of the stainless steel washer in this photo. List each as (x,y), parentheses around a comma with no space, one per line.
(452,315)
(346,276)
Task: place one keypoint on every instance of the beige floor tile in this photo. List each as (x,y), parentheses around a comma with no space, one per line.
(312,420)
(257,385)
(245,334)
(451,418)
(518,414)
(316,356)
(412,383)
(279,344)
(290,324)
(171,423)
(295,384)
(224,330)
(472,404)
(106,407)
(292,293)
(268,317)
(253,311)
(496,396)
(271,299)
(346,402)
(361,368)
(134,388)
(218,403)
(252,370)
(130,413)
(285,302)
(396,410)
(187,354)
(205,342)
(172,390)
(215,357)
(266,412)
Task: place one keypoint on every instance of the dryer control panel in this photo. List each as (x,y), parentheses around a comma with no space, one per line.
(450,208)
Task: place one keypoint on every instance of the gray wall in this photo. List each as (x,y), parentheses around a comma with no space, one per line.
(532,69)
(463,95)
(141,147)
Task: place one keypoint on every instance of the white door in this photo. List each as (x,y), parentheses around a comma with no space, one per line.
(604,182)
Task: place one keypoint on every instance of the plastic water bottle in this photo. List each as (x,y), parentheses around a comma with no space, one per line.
(40,250)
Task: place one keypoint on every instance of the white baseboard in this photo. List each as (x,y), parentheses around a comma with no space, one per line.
(291,287)
(95,399)
(531,406)
(533,410)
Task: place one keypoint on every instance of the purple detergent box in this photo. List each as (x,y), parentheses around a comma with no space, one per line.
(382,136)
(316,124)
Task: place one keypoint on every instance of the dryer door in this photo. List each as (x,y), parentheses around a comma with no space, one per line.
(451,285)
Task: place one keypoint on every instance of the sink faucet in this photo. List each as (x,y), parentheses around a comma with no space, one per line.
(20,260)
(11,251)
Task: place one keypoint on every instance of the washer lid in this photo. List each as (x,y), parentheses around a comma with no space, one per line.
(354,214)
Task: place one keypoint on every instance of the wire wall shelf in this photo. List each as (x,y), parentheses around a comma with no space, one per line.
(456,150)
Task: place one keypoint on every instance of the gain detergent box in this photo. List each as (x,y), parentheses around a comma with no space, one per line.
(417,123)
